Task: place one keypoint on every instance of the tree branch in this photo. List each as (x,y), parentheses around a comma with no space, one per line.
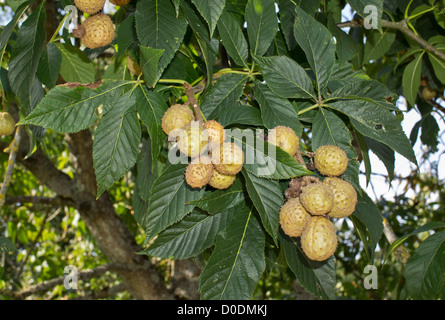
(402,27)
(49,201)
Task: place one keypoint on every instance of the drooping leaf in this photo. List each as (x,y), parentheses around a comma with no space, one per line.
(411,79)
(190,236)
(378,44)
(49,65)
(371,10)
(319,50)
(262,25)
(378,123)
(276,111)
(210,11)
(238,260)
(224,93)
(425,269)
(149,64)
(285,77)
(116,142)
(316,277)
(158,27)
(151,107)
(267,198)
(25,55)
(221,200)
(76,66)
(126,36)
(233,38)
(240,113)
(168,200)
(66,109)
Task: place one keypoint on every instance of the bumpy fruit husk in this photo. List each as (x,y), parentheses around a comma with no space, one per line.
(192,139)
(293,217)
(285,138)
(221,181)
(345,197)
(330,160)
(199,172)
(120,2)
(215,131)
(7,124)
(319,240)
(228,158)
(317,198)
(89,6)
(99,31)
(428,93)
(177,116)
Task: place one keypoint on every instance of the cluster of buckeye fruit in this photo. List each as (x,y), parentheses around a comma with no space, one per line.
(308,215)
(214,161)
(97,30)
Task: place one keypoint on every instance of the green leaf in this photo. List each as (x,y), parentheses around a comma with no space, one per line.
(151,107)
(369,214)
(237,262)
(267,198)
(6,245)
(319,50)
(240,113)
(316,277)
(9,28)
(221,200)
(262,25)
(67,109)
(438,65)
(168,200)
(197,230)
(411,79)
(226,91)
(285,77)
(346,48)
(329,129)
(384,153)
(126,36)
(158,27)
(149,64)
(367,9)
(287,18)
(210,11)
(233,38)
(425,269)
(276,111)
(265,160)
(76,66)
(25,55)
(116,142)
(377,123)
(49,65)
(378,44)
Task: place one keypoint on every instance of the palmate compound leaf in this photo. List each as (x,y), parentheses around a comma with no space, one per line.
(71,109)
(190,236)
(238,261)
(116,142)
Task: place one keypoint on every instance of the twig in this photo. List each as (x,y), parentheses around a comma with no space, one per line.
(53,202)
(13,150)
(402,27)
(189,91)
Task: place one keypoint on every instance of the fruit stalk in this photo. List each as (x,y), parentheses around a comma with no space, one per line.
(190,93)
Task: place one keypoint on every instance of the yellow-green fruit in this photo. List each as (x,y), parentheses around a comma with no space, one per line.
(345,197)
(120,2)
(228,158)
(317,198)
(221,181)
(293,217)
(89,6)
(428,93)
(215,131)
(177,116)
(285,138)
(7,124)
(199,172)
(192,139)
(319,240)
(99,31)
(331,160)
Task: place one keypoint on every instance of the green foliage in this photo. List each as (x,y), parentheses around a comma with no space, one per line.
(253,68)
